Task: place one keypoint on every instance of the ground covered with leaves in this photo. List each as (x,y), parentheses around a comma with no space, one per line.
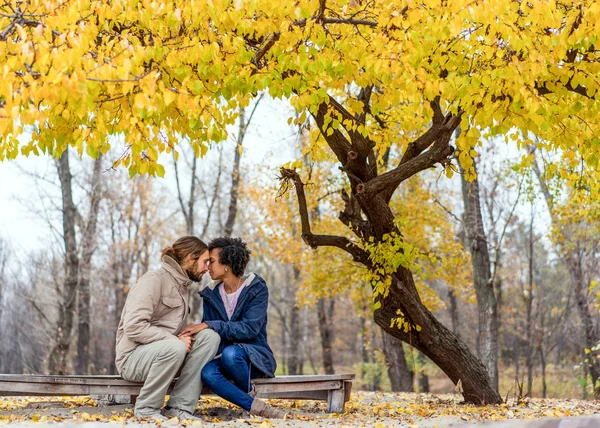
(365,409)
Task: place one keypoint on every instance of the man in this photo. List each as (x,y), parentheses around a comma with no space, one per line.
(151,347)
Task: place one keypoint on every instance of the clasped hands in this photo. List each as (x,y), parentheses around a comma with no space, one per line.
(188,333)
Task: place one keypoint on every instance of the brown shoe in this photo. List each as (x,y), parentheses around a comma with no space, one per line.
(260,408)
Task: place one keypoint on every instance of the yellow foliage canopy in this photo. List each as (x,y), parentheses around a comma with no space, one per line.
(73,73)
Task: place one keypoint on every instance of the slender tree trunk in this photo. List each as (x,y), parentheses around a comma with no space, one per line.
(487,331)
(516,354)
(325,313)
(284,346)
(572,260)
(529,311)
(589,334)
(88,246)
(542,357)
(453,309)
(423,379)
(59,355)
(401,378)
(296,354)
(235,176)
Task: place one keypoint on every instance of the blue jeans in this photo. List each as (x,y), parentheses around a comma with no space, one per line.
(234,365)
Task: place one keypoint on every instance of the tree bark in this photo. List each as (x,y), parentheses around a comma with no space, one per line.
(88,246)
(59,355)
(423,378)
(296,354)
(401,377)
(325,307)
(235,176)
(476,242)
(453,309)
(529,311)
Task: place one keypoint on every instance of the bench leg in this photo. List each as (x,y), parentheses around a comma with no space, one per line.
(335,401)
(347,390)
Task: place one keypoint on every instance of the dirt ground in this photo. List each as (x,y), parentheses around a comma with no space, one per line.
(365,409)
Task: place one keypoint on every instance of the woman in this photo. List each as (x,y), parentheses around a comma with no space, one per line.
(236,308)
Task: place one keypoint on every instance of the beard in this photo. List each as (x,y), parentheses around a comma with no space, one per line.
(194,276)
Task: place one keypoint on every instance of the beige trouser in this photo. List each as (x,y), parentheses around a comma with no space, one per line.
(157,363)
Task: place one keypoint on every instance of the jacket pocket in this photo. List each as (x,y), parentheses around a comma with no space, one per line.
(171,302)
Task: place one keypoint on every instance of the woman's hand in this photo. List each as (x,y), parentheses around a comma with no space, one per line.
(192,329)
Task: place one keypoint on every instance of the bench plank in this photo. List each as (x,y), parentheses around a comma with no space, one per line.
(333,388)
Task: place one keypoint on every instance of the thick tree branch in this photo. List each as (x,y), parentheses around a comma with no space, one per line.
(542,89)
(314,241)
(389,181)
(427,139)
(337,141)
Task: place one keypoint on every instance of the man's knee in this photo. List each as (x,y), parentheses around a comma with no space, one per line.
(207,337)
(173,349)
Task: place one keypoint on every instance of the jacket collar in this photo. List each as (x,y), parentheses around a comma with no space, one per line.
(212,294)
(174,269)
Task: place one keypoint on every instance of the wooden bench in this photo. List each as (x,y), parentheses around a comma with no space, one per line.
(335,389)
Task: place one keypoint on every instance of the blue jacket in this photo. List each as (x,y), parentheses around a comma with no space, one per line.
(248,325)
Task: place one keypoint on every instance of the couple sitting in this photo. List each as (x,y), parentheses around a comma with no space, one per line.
(224,352)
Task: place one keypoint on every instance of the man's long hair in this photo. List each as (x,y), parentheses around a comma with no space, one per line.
(183,247)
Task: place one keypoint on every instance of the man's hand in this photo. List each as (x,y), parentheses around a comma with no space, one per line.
(193,329)
(187,339)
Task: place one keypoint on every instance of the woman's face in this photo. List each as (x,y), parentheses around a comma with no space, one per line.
(215,268)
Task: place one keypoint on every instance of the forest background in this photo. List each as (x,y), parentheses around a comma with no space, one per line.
(480,258)
(321,310)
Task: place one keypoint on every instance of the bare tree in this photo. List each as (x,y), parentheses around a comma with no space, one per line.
(60,352)
(235,172)
(579,254)
(88,246)
(476,242)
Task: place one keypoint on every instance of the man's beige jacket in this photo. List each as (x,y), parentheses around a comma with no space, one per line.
(155,309)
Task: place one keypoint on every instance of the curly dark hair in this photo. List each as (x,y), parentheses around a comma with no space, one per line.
(234,253)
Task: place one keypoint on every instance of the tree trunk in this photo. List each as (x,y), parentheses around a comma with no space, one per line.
(529,311)
(487,331)
(591,338)
(542,357)
(453,309)
(573,261)
(235,176)
(423,379)
(59,355)
(325,313)
(401,378)
(434,340)
(88,246)
(295,356)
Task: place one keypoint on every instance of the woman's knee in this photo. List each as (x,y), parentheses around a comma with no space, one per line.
(233,356)
(209,372)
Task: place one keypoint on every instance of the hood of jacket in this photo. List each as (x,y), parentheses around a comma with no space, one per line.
(176,271)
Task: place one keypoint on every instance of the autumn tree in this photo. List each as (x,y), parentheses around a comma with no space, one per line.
(381,81)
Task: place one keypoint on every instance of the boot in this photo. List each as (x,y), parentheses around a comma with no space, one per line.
(260,408)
